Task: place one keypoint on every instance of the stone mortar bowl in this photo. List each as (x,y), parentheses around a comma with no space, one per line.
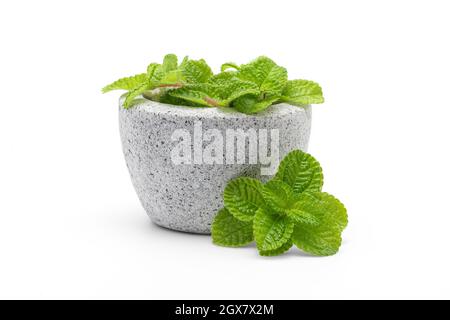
(186,197)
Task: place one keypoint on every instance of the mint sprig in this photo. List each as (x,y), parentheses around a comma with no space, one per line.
(248,88)
(289,209)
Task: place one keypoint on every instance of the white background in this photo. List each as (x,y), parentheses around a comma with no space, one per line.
(71,225)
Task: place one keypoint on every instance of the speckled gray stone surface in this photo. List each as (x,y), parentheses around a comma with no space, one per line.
(186,197)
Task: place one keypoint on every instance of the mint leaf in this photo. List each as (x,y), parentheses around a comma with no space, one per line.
(250,104)
(233,89)
(152,69)
(300,216)
(128,83)
(196,71)
(301,171)
(132,94)
(242,197)
(155,73)
(230,232)
(302,92)
(183,62)
(270,78)
(271,231)
(285,247)
(228,65)
(324,238)
(170,63)
(278,195)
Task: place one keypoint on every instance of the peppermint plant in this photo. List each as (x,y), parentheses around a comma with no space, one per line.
(290,209)
(248,88)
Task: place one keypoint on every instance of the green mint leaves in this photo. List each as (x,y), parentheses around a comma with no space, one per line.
(170,63)
(270,78)
(301,92)
(196,71)
(301,172)
(231,232)
(243,197)
(288,210)
(128,83)
(248,88)
(324,238)
(272,231)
